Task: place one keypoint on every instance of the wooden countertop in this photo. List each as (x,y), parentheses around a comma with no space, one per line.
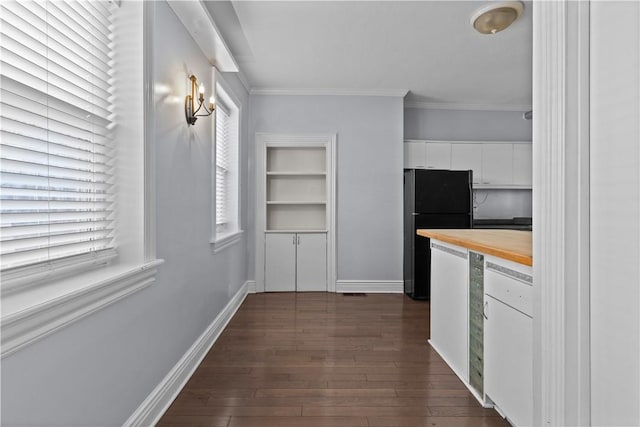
(512,245)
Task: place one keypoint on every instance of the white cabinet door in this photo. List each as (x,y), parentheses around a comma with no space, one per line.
(280,262)
(467,156)
(449,305)
(508,361)
(311,262)
(522,164)
(414,155)
(438,155)
(497,164)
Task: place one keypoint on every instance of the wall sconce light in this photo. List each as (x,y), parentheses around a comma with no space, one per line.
(190,110)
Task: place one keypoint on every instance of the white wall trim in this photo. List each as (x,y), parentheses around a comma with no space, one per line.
(470,107)
(226,241)
(549,211)
(370,286)
(561,213)
(28,325)
(148,17)
(156,404)
(198,21)
(251,286)
(244,81)
(329,92)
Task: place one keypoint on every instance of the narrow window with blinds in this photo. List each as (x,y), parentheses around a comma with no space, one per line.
(223,139)
(56,123)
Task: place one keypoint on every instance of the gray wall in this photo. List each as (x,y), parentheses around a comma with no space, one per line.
(97,371)
(369,172)
(468,125)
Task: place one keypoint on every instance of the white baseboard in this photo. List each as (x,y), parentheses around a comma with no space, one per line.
(156,404)
(370,286)
(251,286)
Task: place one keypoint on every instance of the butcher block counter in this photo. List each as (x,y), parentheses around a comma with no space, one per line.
(512,245)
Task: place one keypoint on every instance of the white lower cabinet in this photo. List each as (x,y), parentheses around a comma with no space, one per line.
(311,266)
(295,262)
(508,342)
(449,305)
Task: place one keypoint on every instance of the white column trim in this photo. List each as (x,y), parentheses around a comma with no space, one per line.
(561,212)
(549,40)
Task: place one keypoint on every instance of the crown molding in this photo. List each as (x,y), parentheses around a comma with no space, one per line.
(330,92)
(467,107)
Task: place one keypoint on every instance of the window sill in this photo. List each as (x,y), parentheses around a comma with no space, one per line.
(39,311)
(226,241)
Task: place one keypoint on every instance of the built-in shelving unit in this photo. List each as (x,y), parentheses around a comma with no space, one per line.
(295,212)
(296,188)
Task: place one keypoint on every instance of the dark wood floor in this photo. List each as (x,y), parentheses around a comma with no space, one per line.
(320,359)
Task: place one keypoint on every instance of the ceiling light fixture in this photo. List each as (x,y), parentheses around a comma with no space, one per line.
(495,17)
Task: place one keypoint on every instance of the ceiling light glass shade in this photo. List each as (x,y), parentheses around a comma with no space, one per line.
(496,17)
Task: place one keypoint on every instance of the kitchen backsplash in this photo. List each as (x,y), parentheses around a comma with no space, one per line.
(488,204)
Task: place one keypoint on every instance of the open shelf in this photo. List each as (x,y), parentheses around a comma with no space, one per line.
(296,217)
(296,159)
(296,188)
(304,188)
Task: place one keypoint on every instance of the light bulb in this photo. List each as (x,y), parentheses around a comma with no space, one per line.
(201,90)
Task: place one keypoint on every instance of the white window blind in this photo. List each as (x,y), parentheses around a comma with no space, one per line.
(56,125)
(223,139)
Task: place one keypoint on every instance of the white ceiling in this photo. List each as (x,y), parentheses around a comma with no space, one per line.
(425,47)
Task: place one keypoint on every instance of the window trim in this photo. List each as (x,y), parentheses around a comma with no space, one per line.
(220,241)
(30,324)
(37,311)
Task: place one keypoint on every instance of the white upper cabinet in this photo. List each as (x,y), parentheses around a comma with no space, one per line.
(497,164)
(467,156)
(494,164)
(522,164)
(414,155)
(438,155)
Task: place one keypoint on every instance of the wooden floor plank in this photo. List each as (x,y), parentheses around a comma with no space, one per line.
(322,359)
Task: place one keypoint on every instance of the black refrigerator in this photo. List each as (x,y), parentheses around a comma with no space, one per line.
(432,199)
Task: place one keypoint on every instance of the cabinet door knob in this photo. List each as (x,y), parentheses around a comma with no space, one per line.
(298,239)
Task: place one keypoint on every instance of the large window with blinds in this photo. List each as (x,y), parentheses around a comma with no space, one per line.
(226,162)
(56,122)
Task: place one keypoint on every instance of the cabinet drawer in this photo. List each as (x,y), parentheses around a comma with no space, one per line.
(512,287)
